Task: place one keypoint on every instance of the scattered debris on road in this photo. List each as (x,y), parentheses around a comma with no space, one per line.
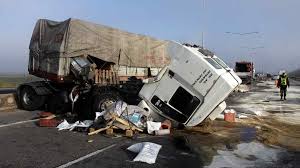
(48,119)
(242,88)
(118,117)
(229,115)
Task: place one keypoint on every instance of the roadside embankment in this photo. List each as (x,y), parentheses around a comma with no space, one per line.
(7,102)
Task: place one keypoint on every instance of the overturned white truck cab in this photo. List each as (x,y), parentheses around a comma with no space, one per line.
(191,88)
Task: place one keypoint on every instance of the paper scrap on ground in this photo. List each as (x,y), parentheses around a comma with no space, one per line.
(241,116)
(147,152)
(153,126)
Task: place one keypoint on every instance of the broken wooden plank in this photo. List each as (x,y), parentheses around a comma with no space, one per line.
(103,77)
(121,126)
(136,128)
(109,77)
(122,121)
(96,76)
(98,130)
(100,76)
(50,117)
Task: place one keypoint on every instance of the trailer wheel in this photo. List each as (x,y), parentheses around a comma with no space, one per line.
(30,100)
(103,100)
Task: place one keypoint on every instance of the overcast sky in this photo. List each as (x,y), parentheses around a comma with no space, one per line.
(277,21)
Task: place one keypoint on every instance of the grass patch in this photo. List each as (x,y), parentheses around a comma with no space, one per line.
(7,85)
(14,80)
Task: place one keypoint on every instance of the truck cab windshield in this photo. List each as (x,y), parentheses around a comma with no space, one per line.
(220,62)
(213,63)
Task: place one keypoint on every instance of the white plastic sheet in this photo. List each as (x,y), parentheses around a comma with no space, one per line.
(147,152)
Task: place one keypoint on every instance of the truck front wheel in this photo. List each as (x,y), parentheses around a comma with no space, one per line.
(30,100)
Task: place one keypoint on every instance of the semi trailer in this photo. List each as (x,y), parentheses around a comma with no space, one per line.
(245,70)
(92,65)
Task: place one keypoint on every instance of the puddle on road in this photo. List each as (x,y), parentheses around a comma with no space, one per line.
(233,145)
(247,134)
(224,136)
(181,143)
(253,154)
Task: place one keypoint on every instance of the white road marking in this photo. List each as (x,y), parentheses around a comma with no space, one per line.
(86,156)
(16,123)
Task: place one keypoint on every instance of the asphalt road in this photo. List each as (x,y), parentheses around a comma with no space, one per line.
(24,144)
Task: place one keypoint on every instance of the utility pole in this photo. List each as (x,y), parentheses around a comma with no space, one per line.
(203,8)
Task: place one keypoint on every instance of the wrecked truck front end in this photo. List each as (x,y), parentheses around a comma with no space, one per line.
(191,88)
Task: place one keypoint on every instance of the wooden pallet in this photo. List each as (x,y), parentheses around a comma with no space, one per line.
(106,77)
(117,124)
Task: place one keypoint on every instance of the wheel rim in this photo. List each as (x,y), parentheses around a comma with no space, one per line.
(30,97)
(26,98)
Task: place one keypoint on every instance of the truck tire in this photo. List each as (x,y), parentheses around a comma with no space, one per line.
(102,100)
(30,100)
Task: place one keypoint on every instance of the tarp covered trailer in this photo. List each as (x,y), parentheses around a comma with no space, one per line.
(54,44)
(96,59)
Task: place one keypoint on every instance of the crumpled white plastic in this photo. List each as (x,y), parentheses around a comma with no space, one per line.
(116,108)
(153,126)
(99,114)
(67,126)
(120,106)
(147,152)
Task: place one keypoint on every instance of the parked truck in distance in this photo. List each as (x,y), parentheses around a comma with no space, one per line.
(245,70)
(90,65)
